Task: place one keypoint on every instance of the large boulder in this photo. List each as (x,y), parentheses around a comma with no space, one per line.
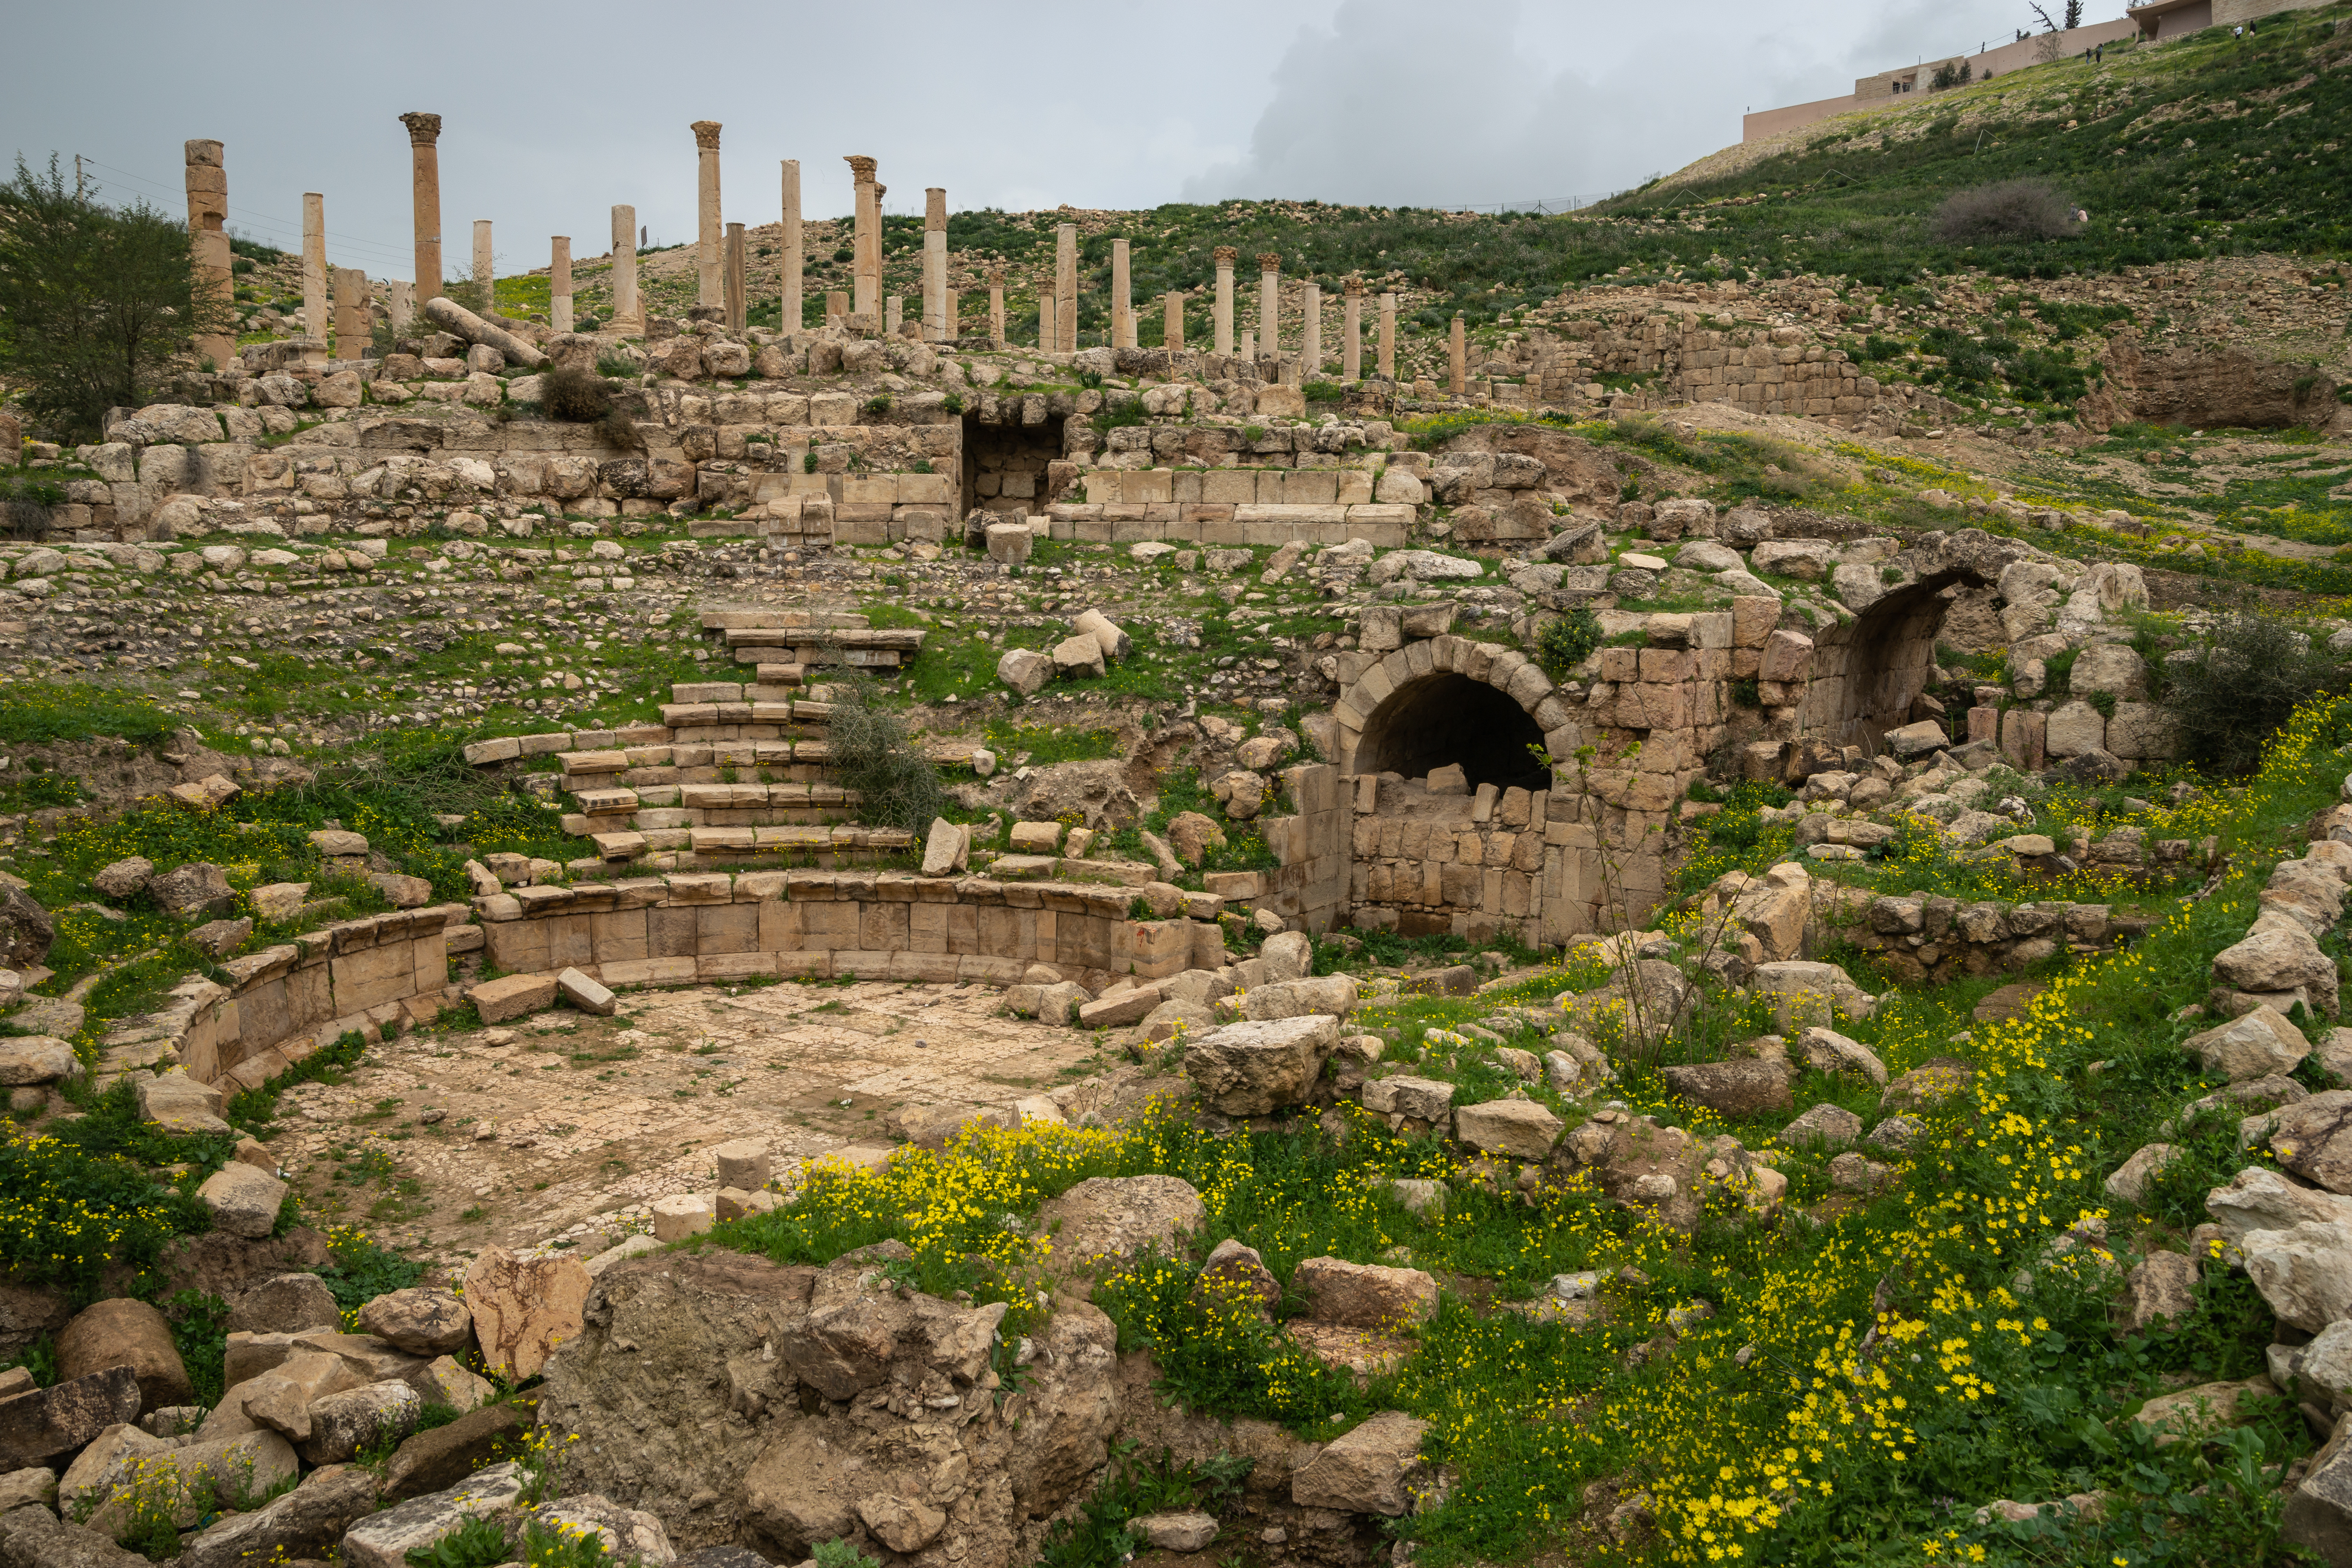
(2279,957)
(745,1403)
(58,1420)
(123,1332)
(1255,1068)
(1370,1470)
(307,1522)
(1522,1129)
(522,1308)
(422,1320)
(2304,1272)
(1114,1217)
(198,1479)
(2313,1138)
(285,1304)
(243,1200)
(1806,993)
(2252,1045)
(2259,1199)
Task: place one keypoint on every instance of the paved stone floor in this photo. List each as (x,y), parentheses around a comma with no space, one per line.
(555,1127)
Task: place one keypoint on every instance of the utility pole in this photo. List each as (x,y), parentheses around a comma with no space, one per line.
(77,197)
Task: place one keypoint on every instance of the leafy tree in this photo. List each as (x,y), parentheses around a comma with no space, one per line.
(96,303)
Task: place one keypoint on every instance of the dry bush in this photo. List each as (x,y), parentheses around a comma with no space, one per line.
(2014,209)
(574,394)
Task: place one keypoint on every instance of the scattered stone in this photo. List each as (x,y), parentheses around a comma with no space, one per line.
(286,1304)
(588,996)
(2130,1183)
(384,1539)
(523,1309)
(1832,1125)
(422,1320)
(1257,1068)
(2254,1045)
(1113,1217)
(1189,1531)
(124,879)
(2207,1408)
(242,1201)
(1368,1470)
(2313,1138)
(43,1426)
(2162,1286)
(1365,1295)
(1826,1051)
(1749,1087)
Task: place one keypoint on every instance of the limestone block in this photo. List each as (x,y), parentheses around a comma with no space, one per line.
(2074,730)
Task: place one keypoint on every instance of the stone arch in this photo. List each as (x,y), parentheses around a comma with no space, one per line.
(1449,700)
(1867,672)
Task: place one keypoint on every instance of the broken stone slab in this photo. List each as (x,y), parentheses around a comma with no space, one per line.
(1522,1129)
(1335,995)
(1191,1531)
(2313,1138)
(1079,657)
(1114,642)
(444,1456)
(124,1332)
(1807,993)
(1746,1087)
(62,1418)
(2304,1272)
(307,1522)
(1832,1125)
(681,1214)
(2130,1182)
(1025,669)
(2207,1408)
(1257,1068)
(286,1304)
(1368,1470)
(35,1538)
(512,997)
(449,315)
(343,1424)
(523,1309)
(588,996)
(198,1479)
(29,1059)
(947,848)
(1421,1098)
(385,1539)
(242,1201)
(2161,1287)
(2261,1199)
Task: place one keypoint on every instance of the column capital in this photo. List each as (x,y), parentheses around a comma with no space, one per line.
(424,130)
(706,134)
(1353,287)
(1225,254)
(1269,262)
(996,276)
(861,168)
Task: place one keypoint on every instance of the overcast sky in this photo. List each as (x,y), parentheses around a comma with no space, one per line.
(552,113)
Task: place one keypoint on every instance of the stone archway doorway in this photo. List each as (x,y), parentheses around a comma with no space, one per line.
(1445,718)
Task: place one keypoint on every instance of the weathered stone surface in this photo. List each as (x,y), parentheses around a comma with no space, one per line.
(35,1538)
(280,1398)
(1327,993)
(1256,1067)
(1807,993)
(123,879)
(384,1539)
(512,997)
(900,1523)
(37,1427)
(1422,1098)
(2282,957)
(1025,669)
(27,1059)
(2206,1408)
(307,1522)
(629,1535)
(2251,1046)
(1117,1217)
(1234,1272)
(243,1201)
(2130,1182)
(589,995)
(2313,1138)
(2161,1286)
(2318,1513)
(1188,1531)
(1834,1125)
(434,1460)
(1523,1129)
(2261,1199)
(523,1309)
(1365,1295)
(197,888)
(286,1304)
(343,1424)
(1826,1051)
(421,1320)
(1748,1087)
(2304,1272)
(1931,1083)
(199,1479)
(1369,1470)
(123,1332)
(37,1485)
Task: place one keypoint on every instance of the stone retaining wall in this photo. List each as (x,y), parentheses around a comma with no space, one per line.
(713,927)
(1930,940)
(285,1001)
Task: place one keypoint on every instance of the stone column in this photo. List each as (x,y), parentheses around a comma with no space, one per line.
(996,305)
(1269,305)
(1388,337)
(402,305)
(892,308)
(1172,336)
(1456,358)
(1223,329)
(1310,337)
(1048,330)
(955,315)
(352,332)
(1249,348)
(1066,286)
(424,176)
(314,271)
(738,306)
(865,256)
(793,318)
(709,288)
(1351,330)
(936,326)
(208,250)
(1122,298)
(558,283)
(628,316)
(836,307)
(485,267)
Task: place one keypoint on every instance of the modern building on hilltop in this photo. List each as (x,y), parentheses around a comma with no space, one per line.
(2158,21)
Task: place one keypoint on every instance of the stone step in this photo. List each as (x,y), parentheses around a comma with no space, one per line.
(806,655)
(825,620)
(903,639)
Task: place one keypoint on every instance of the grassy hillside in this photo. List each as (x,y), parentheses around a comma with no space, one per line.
(2202,148)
